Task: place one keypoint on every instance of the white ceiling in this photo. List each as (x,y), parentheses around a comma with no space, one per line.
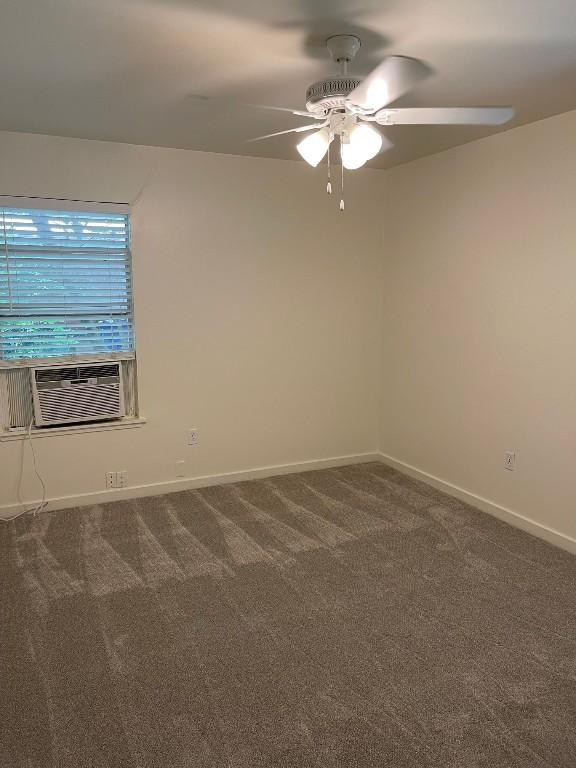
(122,70)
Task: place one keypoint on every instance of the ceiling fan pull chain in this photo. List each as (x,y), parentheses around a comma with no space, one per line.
(329,184)
(341,178)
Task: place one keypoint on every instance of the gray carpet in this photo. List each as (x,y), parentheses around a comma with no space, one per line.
(349,617)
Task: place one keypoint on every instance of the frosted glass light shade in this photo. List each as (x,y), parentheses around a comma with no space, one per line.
(364,143)
(369,138)
(352,158)
(314,147)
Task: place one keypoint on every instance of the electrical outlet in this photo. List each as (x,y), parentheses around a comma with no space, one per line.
(510,460)
(180,468)
(192,437)
(117,479)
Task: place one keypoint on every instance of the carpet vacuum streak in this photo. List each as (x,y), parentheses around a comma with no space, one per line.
(351,617)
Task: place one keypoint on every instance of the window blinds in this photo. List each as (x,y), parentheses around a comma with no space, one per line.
(65,284)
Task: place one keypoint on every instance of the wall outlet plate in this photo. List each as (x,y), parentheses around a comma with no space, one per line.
(510,460)
(192,437)
(117,479)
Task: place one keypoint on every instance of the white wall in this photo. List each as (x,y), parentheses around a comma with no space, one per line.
(257,311)
(279,327)
(479,327)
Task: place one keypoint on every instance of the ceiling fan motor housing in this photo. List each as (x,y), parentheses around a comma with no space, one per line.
(330,93)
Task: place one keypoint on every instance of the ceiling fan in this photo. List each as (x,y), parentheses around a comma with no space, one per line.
(349,108)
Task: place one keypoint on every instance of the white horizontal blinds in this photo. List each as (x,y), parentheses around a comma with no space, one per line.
(65,284)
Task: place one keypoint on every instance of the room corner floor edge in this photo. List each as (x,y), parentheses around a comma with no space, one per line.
(515,519)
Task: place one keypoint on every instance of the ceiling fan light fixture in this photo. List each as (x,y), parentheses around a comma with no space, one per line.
(351,108)
(314,147)
(363,144)
(351,159)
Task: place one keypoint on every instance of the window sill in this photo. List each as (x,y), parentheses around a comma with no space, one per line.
(22,434)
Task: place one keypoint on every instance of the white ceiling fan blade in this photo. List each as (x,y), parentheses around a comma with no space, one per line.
(445,116)
(232,102)
(393,77)
(290,130)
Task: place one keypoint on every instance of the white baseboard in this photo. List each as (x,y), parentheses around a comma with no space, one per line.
(516,519)
(550,535)
(169,486)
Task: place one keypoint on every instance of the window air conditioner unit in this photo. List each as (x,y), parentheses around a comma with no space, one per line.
(73,394)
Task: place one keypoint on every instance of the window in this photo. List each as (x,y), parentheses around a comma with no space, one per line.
(65,283)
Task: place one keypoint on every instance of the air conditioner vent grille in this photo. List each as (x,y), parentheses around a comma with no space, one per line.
(55,374)
(44,375)
(71,395)
(99,371)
